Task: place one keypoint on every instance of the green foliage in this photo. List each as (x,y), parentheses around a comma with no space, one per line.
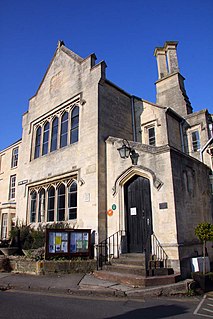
(30,238)
(58,225)
(204,232)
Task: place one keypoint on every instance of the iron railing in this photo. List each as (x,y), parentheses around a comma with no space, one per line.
(158,253)
(111,248)
(108,249)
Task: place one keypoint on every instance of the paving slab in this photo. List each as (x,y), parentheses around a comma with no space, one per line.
(90,280)
(81,284)
(43,282)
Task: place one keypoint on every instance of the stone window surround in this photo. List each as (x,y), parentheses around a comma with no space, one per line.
(146,127)
(46,186)
(76,100)
(12,187)
(50,120)
(196,128)
(14,161)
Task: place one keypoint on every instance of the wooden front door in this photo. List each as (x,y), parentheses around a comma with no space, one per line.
(138,214)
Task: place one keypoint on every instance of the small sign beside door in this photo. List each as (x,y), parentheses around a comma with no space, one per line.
(133,211)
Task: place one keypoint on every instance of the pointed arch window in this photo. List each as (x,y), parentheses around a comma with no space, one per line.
(72,201)
(46,138)
(54,135)
(74,125)
(41,206)
(51,204)
(33,207)
(37,142)
(64,130)
(61,203)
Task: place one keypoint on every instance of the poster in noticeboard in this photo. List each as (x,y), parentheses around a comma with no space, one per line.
(58,242)
(79,242)
(68,242)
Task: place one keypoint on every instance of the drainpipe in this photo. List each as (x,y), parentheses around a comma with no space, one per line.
(133,118)
(181,136)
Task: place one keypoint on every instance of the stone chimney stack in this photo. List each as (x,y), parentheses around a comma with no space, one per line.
(171,52)
(160,54)
(170,89)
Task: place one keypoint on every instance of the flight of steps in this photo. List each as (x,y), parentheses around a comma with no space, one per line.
(130,270)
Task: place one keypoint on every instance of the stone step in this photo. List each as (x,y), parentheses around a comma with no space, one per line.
(160,272)
(127,269)
(136,280)
(136,256)
(130,260)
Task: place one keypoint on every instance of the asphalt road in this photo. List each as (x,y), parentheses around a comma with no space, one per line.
(22,305)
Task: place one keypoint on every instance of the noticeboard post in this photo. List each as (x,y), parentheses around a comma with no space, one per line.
(68,243)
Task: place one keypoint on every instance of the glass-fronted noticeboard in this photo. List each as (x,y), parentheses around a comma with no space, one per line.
(68,242)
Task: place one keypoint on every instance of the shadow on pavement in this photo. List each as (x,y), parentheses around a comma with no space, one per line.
(155,312)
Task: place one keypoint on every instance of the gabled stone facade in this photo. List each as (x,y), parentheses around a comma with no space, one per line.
(69,169)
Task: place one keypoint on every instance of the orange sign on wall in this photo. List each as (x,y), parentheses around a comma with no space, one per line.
(110,212)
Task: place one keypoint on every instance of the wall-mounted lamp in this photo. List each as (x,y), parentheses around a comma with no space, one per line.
(125,151)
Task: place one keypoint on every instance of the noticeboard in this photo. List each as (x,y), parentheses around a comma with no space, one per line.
(68,242)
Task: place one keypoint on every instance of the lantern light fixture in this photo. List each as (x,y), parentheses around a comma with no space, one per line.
(125,151)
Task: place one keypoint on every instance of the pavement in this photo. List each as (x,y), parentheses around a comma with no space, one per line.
(84,285)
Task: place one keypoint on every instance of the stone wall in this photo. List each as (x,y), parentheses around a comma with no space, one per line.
(23,265)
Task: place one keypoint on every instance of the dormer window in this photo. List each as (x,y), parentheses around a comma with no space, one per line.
(151,136)
(195,141)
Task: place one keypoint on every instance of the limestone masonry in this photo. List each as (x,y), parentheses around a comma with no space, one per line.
(67,167)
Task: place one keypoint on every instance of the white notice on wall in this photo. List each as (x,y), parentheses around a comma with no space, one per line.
(133,211)
(87,197)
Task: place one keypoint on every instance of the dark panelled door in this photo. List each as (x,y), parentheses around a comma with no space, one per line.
(138,213)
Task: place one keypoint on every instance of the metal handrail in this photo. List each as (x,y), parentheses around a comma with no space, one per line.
(108,248)
(158,251)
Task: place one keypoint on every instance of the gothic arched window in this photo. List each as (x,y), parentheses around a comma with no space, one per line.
(41,206)
(72,201)
(46,138)
(54,135)
(37,142)
(64,129)
(33,197)
(51,204)
(61,203)
(74,125)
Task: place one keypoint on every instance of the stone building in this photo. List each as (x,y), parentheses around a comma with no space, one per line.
(67,167)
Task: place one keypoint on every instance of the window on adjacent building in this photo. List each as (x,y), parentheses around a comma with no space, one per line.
(51,204)
(151,136)
(33,207)
(195,141)
(4,226)
(72,201)
(46,138)
(14,161)
(54,135)
(61,203)
(74,125)
(37,142)
(12,190)
(64,130)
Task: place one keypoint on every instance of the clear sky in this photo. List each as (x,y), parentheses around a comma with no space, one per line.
(124,33)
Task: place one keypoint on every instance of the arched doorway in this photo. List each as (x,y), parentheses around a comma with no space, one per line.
(138,214)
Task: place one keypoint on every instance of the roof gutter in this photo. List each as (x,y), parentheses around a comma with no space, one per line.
(133,118)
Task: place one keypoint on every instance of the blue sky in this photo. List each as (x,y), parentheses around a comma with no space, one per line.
(124,33)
